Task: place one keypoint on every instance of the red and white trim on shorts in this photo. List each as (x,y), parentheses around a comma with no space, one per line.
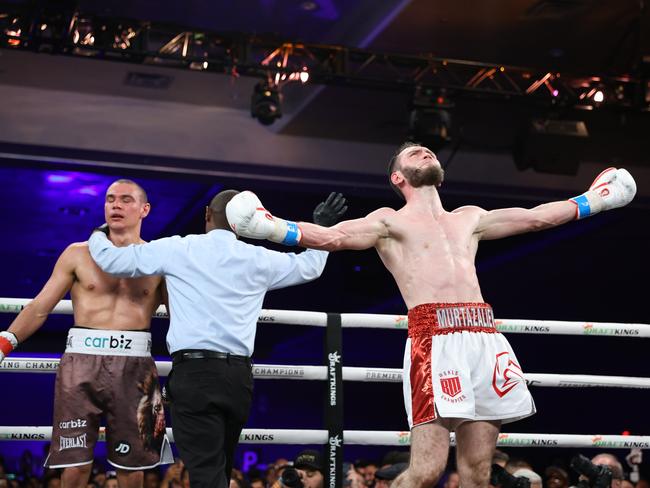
(423,407)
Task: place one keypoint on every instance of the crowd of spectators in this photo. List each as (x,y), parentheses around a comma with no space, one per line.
(308,470)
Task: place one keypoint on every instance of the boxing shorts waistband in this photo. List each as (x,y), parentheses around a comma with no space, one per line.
(446,318)
(188,354)
(109,342)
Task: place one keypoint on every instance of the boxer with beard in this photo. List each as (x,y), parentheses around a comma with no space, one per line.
(460,374)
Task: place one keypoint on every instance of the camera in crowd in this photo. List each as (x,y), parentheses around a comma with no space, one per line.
(500,477)
(598,475)
(291,478)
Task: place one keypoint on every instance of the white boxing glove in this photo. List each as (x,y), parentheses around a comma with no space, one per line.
(8,342)
(613,188)
(248,218)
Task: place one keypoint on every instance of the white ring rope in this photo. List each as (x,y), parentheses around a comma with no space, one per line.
(383,375)
(377,438)
(377,321)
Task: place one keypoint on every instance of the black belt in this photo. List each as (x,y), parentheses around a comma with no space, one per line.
(180,356)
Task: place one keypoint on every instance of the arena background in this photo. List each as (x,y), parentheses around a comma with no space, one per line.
(74,119)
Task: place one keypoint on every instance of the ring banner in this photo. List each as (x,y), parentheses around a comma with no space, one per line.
(334,401)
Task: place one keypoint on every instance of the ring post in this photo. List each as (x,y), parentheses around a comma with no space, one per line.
(334,402)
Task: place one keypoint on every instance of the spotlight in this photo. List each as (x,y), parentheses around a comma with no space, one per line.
(430,120)
(430,127)
(265,103)
(599,96)
(551,145)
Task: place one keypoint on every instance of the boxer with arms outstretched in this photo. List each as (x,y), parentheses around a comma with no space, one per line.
(460,374)
(107,368)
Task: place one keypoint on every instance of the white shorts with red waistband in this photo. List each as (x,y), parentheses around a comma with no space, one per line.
(457,365)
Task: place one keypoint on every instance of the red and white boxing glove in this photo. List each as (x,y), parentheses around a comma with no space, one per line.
(248,218)
(8,342)
(613,188)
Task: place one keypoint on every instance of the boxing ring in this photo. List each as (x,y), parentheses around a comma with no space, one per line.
(334,437)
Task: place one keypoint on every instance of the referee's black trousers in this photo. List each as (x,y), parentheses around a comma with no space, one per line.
(210,403)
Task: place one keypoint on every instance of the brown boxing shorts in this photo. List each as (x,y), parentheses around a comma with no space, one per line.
(110,374)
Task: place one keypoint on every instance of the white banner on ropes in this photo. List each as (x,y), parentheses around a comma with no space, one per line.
(383,375)
(375,438)
(378,321)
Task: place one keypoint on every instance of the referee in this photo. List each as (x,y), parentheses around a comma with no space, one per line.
(216,286)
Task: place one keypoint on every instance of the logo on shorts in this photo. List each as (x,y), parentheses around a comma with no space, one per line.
(450,386)
(452,390)
(108,342)
(123,448)
(73,424)
(72,442)
(507,374)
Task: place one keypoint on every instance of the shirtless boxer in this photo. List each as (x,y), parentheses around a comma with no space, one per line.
(460,374)
(107,367)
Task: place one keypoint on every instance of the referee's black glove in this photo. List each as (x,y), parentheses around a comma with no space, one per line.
(329,212)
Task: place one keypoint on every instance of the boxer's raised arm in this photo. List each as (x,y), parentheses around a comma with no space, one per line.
(506,222)
(357,234)
(248,218)
(613,188)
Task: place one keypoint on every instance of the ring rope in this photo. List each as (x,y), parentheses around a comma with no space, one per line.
(379,375)
(400,322)
(377,438)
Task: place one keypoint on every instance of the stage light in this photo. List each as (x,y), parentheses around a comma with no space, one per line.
(13,33)
(266,103)
(83,33)
(123,38)
(550,145)
(430,119)
(430,127)
(599,96)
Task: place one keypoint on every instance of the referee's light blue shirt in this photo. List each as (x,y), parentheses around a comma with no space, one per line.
(216,283)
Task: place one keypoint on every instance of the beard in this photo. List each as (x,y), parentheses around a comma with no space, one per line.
(428,176)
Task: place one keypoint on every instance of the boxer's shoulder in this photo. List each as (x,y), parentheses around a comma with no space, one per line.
(382,212)
(469,210)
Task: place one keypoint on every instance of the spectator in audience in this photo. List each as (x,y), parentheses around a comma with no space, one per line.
(275,471)
(556,477)
(309,465)
(98,475)
(514,464)
(256,483)
(385,476)
(351,477)
(612,461)
(237,483)
(529,474)
(394,457)
(501,458)
(367,469)
(111,480)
